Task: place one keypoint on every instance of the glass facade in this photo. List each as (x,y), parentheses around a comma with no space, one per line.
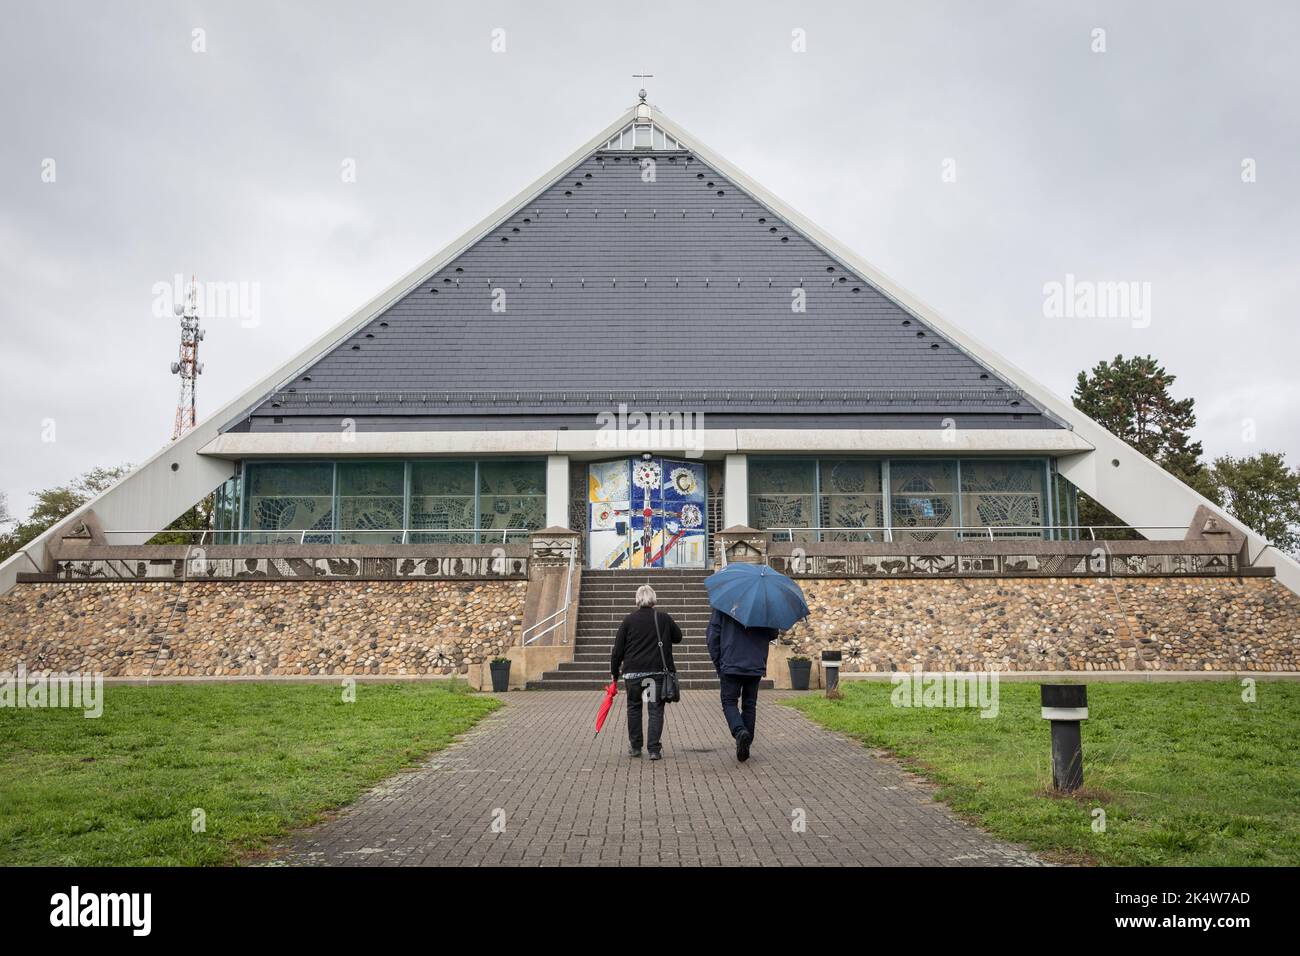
(225,511)
(290,498)
(442,497)
(850,495)
(922,499)
(904,499)
(510,496)
(441,501)
(468,501)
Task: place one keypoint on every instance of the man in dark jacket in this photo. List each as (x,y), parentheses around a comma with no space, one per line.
(636,648)
(740,655)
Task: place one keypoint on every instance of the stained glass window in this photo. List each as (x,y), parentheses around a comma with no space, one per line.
(781,493)
(850,496)
(512,494)
(285,499)
(442,498)
(922,499)
(1002,493)
(442,501)
(371,496)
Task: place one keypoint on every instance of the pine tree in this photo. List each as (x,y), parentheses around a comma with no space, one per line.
(1131,399)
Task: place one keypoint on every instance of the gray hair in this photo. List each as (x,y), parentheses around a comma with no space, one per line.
(645,596)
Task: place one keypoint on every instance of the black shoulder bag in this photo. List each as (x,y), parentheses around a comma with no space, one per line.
(672,687)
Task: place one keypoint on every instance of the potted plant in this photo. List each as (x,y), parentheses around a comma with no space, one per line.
(800,671)
(500,667)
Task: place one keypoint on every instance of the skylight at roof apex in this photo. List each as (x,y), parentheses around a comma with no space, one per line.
(641,134)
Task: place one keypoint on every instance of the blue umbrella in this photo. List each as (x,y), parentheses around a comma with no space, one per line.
(757,596)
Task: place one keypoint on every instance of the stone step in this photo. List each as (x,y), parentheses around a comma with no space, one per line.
(624,608)
(627,603)
(699,625)
(624,604)
(605,643)
(630,587)
(694,605)
(555,683)
(579,683)
(593,646)
(679,584)
(616,612)
(611,625)
(605,598)
(597,668)
(596,656)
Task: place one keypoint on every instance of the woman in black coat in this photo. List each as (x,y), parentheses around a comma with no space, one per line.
(640,658)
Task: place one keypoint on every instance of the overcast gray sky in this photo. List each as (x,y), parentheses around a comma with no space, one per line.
(1122,165)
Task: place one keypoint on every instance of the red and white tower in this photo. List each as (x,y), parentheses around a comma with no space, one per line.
(188,366)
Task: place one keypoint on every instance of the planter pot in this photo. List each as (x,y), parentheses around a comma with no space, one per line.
(800,671)
(500,676)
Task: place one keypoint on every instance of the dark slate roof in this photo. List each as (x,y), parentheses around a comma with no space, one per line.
(672,293)
(576,422)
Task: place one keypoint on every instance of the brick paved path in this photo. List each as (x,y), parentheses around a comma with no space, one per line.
(570,799)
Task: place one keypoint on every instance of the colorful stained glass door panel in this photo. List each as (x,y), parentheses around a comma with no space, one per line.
(646,513)
(683,504)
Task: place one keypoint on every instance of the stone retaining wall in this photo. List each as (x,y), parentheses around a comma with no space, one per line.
(443,627)
(260,628)
(1170,623)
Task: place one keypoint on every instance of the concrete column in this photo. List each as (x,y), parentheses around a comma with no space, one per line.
(557,491)
(735,491)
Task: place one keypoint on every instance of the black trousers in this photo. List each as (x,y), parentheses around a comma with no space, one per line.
(636,688)
(744,690)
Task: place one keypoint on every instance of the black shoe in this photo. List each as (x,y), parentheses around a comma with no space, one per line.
(656,755)
(742,745)
(634,751)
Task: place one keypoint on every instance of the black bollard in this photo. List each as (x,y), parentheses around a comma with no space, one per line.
(1066,706)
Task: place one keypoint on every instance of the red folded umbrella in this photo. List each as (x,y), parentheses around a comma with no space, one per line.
(606,704)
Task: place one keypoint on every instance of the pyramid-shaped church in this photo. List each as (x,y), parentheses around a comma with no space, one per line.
(644,364)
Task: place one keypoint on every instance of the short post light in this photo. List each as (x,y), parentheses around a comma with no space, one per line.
(831,672)
(1066,706)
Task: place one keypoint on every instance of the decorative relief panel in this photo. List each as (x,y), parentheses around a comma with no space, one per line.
(1048,564)
(204,569)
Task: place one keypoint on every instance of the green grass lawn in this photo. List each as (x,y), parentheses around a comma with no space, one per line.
(258,759)
(1187,773)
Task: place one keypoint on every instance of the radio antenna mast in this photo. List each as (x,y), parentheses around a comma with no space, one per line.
(188,366)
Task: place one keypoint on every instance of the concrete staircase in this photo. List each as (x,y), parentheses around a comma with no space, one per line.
(606,597)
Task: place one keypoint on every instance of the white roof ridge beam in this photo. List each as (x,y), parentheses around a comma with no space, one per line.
(174,478)
(1122,479)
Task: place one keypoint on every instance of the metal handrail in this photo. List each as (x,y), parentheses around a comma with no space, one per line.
(988,529)
(525,640)
(304,532)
